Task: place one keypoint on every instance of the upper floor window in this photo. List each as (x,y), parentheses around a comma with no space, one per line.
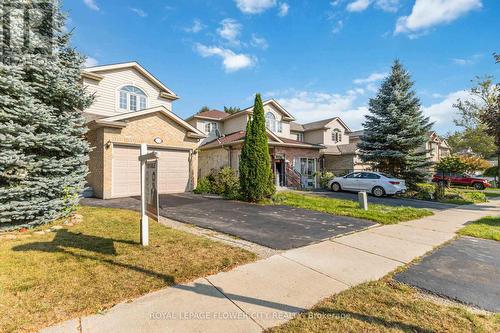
(300,137)
(273,124)
(211,127)
(336,135)
(132,99)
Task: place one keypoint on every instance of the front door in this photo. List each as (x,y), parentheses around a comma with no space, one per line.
(279,167)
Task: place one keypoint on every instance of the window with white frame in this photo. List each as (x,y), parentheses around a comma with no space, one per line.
(132,99)
(300,136)
(336,135)
(273,124)
(211,127)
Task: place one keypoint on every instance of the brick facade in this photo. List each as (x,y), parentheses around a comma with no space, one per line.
(141,129)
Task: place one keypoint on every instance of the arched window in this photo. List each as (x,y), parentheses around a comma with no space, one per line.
(336,135)
(132,99)
(272,123)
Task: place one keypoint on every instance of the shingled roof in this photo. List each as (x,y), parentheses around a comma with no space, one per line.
(212,114)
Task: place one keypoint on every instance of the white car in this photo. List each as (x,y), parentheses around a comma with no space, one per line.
(377,183)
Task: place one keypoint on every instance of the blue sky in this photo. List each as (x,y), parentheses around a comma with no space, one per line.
(318,58)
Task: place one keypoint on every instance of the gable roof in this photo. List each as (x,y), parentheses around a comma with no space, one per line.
(296,127)
(321,124)
(94,73)
(119,120)
(211,114)
(287,114)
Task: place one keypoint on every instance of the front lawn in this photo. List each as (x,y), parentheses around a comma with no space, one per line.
(379,213)
(487,228)
(387,306)
(89,267)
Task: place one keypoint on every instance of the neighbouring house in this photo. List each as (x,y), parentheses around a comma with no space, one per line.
(297,150)
(132,107)
(348,159)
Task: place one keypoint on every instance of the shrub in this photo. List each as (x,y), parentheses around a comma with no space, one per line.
(223,182)
(425,191)
(324,178)
(203,186)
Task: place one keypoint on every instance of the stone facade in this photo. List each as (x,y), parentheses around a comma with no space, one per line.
(211,160)
(141,129)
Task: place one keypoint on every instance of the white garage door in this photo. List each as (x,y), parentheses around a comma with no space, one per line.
(173,168)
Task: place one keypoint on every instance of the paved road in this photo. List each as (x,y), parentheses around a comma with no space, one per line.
(276,227)
(466,270)
(390,201)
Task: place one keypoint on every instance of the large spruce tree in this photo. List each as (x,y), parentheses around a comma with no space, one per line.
(396,129)
(256,181)
(43,153)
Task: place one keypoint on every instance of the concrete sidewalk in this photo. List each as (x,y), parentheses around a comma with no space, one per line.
(269,292)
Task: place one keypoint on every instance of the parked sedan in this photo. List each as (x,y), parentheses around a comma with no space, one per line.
(377,183)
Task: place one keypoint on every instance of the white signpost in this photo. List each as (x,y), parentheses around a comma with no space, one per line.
(149,190)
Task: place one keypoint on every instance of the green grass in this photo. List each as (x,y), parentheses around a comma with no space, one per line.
(79,270)
(379,213)
(487,228)
(387,306)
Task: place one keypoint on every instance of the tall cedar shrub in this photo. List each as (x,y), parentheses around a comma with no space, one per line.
(396,129)
(43,153)
(256,180)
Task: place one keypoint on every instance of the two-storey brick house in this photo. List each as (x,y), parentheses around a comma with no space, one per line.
(296,149)
(131,107)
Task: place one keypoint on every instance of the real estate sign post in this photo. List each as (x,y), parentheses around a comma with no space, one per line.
(149,190)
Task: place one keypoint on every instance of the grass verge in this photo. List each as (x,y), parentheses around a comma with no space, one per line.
(379,213)
(487,228)
(387,306)
(93,265)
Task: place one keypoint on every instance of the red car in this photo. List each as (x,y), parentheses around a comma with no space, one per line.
(461,180)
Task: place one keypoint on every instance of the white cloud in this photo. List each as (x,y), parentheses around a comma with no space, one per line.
(91,4)
(467,61)
(338,27)
(196,27)
(361,5)
(283,9)
(373,77)
(230,30)
(428,13)
(231,61)
(442,113)
(310,106)
(139,12)
(358,5)
(90,62)
(255,6)
(259,42)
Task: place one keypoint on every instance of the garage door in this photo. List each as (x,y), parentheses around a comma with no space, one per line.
(173,172)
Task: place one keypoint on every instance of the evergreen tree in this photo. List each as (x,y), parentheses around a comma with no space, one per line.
(231,109)
(43,152)
(396,129)
(204,109)
(256,180)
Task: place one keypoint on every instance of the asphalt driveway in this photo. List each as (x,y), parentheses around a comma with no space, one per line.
(466,270)
(276,227)
(389,201)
